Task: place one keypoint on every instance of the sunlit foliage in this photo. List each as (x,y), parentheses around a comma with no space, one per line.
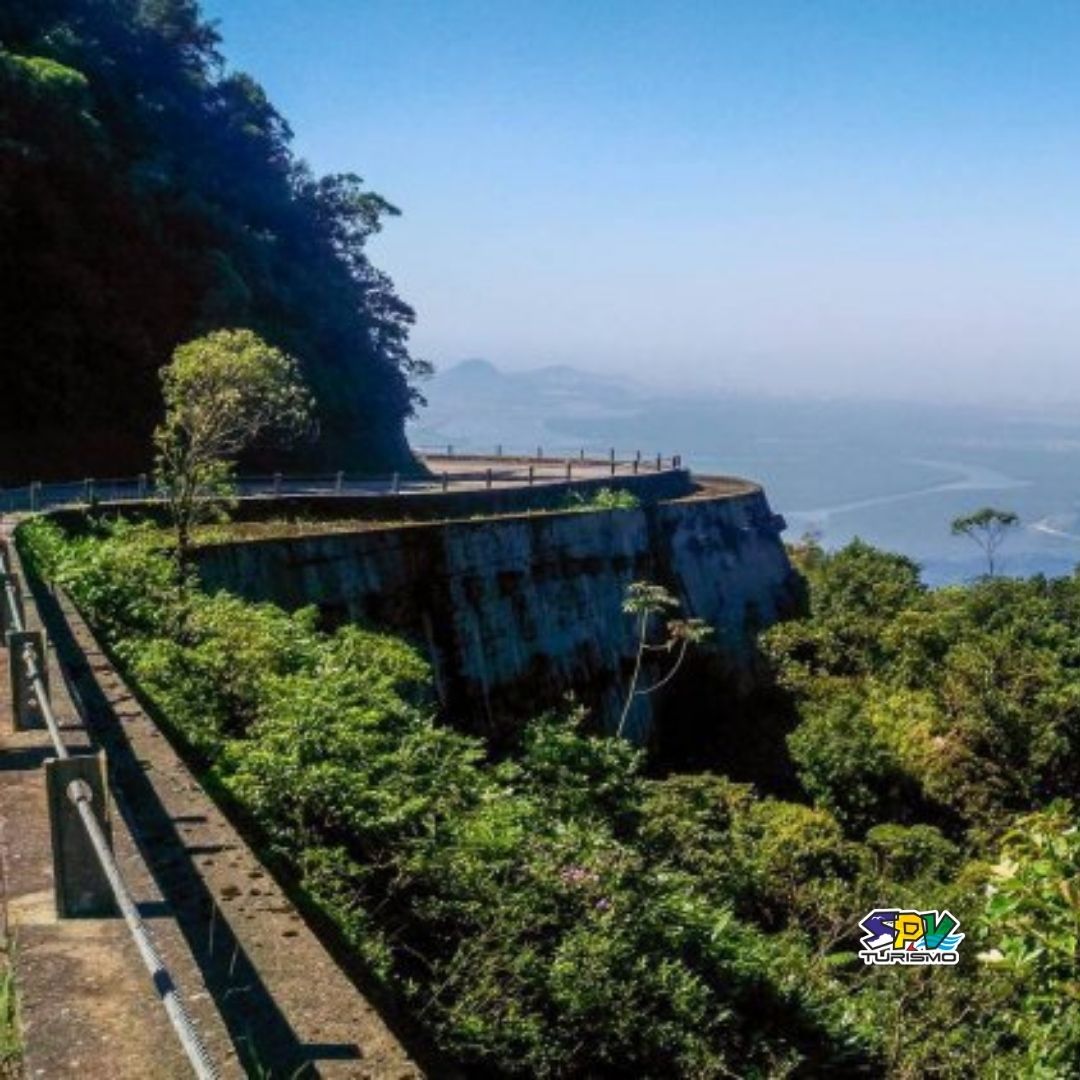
(565,913)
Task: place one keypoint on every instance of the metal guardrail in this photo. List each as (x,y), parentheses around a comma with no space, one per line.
(552,453)
(519,470)
(202,1065)
(28,649)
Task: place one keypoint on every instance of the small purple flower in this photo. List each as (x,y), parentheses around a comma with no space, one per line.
(578,875)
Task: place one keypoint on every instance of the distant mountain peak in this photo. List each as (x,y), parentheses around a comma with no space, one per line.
(472,364)
(547,377)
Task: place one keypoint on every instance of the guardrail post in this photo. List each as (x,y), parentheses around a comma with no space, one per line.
(659,463)
(11,588)
(446,481)
(339,481)
(88,492)
(142,485)
(612,462)
(35,495)
(489,479)
(395,484)
(82,889)
(277,484)
(24,703)
(569,471)
(532,474)
(637,464)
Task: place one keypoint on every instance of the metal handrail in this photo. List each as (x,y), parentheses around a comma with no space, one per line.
(9,594)
(38,496)
(41,696)
(29,659)
(79,792)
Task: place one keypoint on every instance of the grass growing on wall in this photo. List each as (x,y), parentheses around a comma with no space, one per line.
(290,528)
(10,1033)
(604,498)
(562,914)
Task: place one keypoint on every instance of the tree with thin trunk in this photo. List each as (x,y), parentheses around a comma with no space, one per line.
(222,392)
(988,528)
(647,602)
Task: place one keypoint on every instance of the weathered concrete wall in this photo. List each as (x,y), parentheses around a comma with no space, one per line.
(515,613)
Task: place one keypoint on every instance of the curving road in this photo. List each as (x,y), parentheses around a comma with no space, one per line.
(447,474)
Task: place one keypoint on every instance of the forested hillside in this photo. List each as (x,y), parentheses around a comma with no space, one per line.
(149,194)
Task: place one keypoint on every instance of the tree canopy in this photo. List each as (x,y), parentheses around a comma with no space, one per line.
(222,392)
(149,194)
(987,527)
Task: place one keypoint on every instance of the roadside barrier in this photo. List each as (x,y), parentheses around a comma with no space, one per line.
(541,466)
(87,879)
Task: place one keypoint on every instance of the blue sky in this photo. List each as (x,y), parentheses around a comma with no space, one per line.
(858,197)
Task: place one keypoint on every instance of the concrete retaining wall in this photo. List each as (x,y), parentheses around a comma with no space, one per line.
(515,613)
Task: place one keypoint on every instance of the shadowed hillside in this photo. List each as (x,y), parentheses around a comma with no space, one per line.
(147,195)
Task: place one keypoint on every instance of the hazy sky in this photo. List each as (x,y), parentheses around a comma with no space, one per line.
(862,196)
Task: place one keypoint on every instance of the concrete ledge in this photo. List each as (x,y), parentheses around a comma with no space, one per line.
(428,506)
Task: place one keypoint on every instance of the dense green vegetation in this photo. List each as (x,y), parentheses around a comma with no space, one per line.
(222,392)
(565,913)
(604,498)
(149,194)
(10,1034)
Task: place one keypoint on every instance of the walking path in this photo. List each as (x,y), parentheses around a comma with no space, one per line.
(447,473)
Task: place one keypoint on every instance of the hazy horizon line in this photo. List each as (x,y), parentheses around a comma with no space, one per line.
(662,386)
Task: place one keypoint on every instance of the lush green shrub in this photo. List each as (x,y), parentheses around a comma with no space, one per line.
(118,576)
(846,764)
(562,913)
(855,595)
(581,776)
(1031,927)
(961,705)
(531,911)
(912,853)
(603,499)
